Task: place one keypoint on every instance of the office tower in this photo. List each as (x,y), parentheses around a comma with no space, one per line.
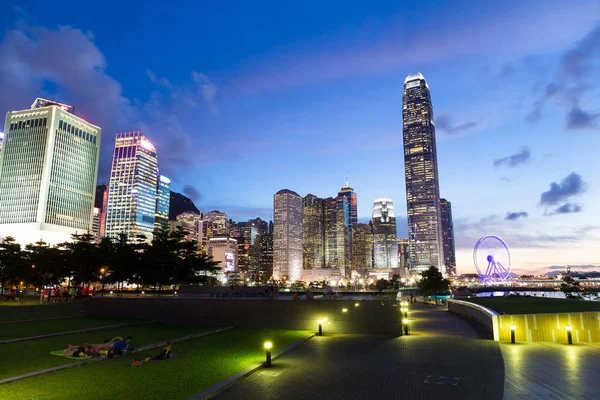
(262,227)
(337,232)
(421,174)
(163,201)
(265,263)
(96,223)
(1,140)
(224,250)
(362,247)
(448,237)
(403,255)
(191,223)
(103,209)
(132,187)
(216,224)
(287,236)
(48,170)
(385,245)
(313,232)
(351,198)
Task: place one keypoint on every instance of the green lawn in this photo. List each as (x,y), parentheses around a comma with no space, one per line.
(36,328)
(201,362)
(13,311)
(32,355)
(534,305)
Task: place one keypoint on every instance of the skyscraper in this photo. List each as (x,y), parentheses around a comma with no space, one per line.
(448,237)
(192,224)
(385,245)
(287,236)
(48,170)
(103,209)
(337,232)
(313,232)
(163,200)
(132,188)
(362,247)
(421,174)
(352,200)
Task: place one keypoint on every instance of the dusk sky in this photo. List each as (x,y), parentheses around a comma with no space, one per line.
(243,99)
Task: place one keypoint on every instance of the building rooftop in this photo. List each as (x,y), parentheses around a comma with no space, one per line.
(287,191)
(414,77)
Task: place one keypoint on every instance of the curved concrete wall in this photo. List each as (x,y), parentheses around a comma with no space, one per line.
(483,315)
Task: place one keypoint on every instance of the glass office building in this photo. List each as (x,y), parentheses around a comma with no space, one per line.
(287,236)
(163,201)
(385,245)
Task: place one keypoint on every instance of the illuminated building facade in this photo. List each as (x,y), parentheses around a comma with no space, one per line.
(421,174)
(352,200)
(191,223)
(337,232)
(287,236)
(313,232)
(448,237)
(102,232)
(96,222)
(163,201)
(132,188)
(48,170)
(362,247)
(403,254)
(385,245)
(224,250)
(265,263)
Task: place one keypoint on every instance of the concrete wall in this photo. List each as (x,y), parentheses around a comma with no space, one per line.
(369,317)
(533,327)
(483,315)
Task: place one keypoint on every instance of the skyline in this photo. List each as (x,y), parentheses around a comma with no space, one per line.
(518,118)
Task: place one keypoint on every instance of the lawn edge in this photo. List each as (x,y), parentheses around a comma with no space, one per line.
(219,387)
(42,319)
(97,328)
(96,359)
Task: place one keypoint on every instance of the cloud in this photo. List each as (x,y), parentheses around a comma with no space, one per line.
(573,267)
(513,216)
(579,119)
(444,123)
(570,186)
(159,81)
(208,90)
(505,179)
(522,157)
(192,192)
(567,208)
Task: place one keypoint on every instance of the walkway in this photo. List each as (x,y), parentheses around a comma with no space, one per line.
(441,359)
(551,371)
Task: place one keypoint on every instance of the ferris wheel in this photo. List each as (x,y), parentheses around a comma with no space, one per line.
(492,259)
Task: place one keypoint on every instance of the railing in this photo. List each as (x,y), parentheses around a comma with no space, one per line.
(483,315)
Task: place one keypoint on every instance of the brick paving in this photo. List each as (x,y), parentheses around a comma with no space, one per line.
(441,359)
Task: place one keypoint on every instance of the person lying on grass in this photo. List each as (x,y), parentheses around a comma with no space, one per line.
(76,351)
(121,345)
(164,355)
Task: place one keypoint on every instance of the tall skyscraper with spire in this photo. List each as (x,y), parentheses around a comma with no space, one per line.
(350,196)
(132,189)
(421,174)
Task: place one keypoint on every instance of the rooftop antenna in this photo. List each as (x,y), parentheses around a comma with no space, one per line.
(347,178)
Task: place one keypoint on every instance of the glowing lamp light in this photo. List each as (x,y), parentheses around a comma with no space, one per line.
(268,345)
(356,304)
(569,328)
(344,310)
(111,292)
(405,321)
(143,292)
(512,327)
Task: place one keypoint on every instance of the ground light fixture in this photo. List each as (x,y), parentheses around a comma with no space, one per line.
(569,328)
(356,304)
(344,310)
(405,323)
(320,322)
(512,333)
(268,346)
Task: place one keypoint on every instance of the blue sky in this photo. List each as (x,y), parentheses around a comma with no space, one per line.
(243,99)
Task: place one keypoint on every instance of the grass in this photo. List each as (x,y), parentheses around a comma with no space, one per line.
(201,362)
(22,357)
(534,305)
(36,328)
(29,309)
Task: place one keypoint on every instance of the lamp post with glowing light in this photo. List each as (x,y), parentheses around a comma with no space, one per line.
(512,333)
(320,322)
(405,323)
(268,346)
(569,328)
(103,271)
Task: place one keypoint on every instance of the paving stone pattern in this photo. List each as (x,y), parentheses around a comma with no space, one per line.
(441,359)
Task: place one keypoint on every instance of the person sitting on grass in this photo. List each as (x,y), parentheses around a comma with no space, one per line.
(163,355)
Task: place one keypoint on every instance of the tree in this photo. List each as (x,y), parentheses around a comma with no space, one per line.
(395,281)
(12,262)
(432,282)
(47,265)
(381,285)
(571,288)
(83,260)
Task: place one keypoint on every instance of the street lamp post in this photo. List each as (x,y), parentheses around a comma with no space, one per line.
(405,322)
(569,328)
(268,347)
(320,322)
(512,333)
(102,271)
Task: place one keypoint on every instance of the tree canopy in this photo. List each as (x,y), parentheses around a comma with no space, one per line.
(169,259)
(432,282)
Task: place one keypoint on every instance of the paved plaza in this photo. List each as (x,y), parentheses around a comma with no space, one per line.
(443,358)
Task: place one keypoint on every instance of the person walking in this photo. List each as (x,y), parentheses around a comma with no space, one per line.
(17,294)
(8,293)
